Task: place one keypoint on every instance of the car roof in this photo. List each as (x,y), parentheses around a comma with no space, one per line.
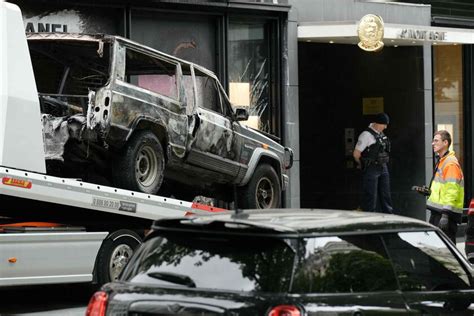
(292,222)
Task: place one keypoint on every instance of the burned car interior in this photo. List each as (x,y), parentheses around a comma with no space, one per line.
(68,71)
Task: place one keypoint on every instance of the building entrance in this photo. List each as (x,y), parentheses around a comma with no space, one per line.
(340,86)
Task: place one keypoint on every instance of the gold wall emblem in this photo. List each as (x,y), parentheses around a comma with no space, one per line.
(370,33)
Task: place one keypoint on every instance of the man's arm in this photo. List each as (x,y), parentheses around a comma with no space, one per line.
(356,154)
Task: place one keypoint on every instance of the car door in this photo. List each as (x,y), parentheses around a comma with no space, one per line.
(213,145)
(432,277)
(346,275)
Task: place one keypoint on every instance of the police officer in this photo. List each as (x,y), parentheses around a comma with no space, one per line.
(372,155)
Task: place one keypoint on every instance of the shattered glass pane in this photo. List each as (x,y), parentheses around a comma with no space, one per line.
(249,72)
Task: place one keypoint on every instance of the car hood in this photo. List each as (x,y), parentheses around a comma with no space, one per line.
(183,301)
(261,137)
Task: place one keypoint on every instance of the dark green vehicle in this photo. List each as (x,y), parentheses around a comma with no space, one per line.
(292,263)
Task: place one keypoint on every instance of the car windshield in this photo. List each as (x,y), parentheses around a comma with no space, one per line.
(214,262)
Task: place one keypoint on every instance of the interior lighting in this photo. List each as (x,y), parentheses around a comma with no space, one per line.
(331,42)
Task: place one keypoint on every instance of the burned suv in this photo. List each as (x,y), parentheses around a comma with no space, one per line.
(135,116)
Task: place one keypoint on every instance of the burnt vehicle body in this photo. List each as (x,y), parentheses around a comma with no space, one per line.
(123,110)
(292,262)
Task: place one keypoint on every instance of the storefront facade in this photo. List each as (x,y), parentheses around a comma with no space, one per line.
(243,42)
(420,78)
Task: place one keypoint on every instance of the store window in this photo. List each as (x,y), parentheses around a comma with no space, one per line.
(250,72)
(448,95)
(187,36)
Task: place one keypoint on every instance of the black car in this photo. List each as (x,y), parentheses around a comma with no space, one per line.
(289,263)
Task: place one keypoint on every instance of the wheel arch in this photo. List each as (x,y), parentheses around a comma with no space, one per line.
(261,156)
(112,237)
(155,126)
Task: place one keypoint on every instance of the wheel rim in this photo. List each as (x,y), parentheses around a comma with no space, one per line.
(118,260)
(265,193)
(146,166)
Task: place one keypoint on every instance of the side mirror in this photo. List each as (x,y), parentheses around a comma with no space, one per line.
(241,114)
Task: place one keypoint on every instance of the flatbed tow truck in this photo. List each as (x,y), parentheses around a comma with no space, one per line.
(52,229)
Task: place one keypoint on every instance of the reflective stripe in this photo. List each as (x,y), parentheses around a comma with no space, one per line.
(444,207)
(450,180)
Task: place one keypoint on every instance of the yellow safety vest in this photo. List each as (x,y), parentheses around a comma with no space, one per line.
(447,187)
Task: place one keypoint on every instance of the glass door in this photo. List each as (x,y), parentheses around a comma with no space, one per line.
(448,95)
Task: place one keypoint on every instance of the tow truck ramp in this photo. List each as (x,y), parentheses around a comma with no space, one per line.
(72,192)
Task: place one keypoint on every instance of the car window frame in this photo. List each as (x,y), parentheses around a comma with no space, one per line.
(460,258)
(468,268)
(338,234)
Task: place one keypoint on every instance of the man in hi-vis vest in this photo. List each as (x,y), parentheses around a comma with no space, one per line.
(447,187)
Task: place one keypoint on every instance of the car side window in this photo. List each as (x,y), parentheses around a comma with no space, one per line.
(207,92)
(151,73)
(343,264)
(226,105)
(423,262)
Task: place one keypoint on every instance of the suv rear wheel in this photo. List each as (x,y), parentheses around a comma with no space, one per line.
(140,167)
(263,190)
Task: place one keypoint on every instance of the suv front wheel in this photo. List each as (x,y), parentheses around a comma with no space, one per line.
(263,190)
(140,167)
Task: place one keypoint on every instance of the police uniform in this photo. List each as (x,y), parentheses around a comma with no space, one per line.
(375,149)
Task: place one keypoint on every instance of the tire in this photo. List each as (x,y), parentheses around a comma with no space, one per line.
(263,191)
(114,254)
(140,167)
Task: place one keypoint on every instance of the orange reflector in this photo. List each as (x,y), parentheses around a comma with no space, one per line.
(17,182)
(32,224)
(208,208)
(12,260)
(265,146)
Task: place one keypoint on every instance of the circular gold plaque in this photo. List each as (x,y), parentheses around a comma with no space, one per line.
(370,33)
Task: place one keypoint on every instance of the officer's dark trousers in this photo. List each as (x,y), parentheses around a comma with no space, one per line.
(376,184)
(452,226)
